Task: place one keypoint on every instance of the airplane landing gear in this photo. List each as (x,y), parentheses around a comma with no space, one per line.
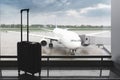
(51,45)
(73,51)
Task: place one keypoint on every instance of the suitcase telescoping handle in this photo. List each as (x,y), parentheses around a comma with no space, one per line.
(21,11)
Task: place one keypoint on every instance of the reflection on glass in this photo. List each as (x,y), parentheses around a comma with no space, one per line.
(91,21)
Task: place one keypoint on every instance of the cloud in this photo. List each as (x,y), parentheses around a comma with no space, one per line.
(41,6)
(49,1)
(72,13)
(66,11)
(98,6)
(97,10)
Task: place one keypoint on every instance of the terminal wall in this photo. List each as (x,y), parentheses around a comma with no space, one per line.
(115,33)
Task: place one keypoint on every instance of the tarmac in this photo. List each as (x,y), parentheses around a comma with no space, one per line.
(9,41)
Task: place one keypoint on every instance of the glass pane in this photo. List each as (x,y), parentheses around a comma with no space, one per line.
(69,27)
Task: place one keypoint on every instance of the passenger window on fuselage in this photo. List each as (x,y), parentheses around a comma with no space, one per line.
(75,40)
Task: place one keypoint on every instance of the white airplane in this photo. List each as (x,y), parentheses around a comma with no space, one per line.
(69,39)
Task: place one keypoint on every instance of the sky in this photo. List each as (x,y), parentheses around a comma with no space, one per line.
(61,12)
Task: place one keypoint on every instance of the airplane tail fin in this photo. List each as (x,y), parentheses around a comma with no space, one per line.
(56,26)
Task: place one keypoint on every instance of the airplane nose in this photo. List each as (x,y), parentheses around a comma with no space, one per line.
(77,45)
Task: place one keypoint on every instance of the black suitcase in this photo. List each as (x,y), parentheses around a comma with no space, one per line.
(28,53)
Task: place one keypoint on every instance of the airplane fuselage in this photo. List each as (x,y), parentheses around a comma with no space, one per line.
(69,39)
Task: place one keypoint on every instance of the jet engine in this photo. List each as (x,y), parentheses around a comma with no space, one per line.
(43,42)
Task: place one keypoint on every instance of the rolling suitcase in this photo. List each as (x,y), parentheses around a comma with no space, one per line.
(28,53)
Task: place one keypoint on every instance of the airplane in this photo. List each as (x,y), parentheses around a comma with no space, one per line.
(69,39)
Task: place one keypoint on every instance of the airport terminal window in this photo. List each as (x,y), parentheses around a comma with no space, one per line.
(89,20)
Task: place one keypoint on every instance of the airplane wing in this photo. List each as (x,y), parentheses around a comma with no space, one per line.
(54,38)
(46,37)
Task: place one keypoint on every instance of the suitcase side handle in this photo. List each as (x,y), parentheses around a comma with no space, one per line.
(21,11)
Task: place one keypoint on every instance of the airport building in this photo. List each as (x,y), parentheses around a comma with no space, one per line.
(29,52)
